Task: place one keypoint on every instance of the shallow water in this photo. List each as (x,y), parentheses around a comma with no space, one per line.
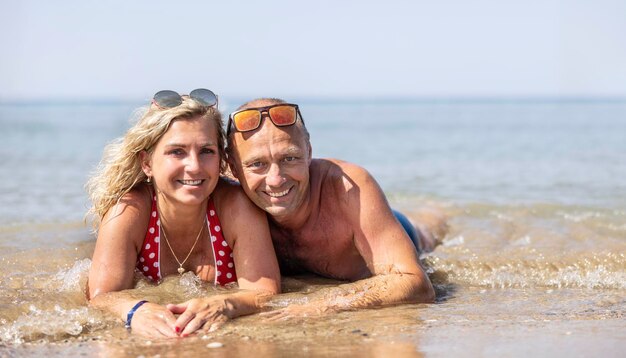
(534,262)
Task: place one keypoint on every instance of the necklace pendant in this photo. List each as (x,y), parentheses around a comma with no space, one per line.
(181,270)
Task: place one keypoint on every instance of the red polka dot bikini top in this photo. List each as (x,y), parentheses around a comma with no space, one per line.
(149,257)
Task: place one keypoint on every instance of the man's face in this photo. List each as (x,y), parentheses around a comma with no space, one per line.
(272,164)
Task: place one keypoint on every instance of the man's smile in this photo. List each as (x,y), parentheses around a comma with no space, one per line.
(278,194)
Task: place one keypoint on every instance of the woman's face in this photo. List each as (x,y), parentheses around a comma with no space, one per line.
(185,164)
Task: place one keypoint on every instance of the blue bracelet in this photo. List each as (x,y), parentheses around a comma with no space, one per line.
(129,316)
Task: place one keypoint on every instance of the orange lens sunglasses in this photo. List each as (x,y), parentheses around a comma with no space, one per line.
(249,119)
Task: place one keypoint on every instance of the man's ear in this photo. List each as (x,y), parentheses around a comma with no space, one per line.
(144,157)
(230,159)
(310,150)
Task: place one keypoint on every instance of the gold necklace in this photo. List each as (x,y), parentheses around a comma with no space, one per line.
(181,270)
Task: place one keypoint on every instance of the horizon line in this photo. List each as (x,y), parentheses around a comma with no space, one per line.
(340,100)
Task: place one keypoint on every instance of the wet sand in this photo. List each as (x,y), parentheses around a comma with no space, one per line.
(466,321)
(474,322)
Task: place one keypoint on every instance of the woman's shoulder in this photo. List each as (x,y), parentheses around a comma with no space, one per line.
(227,183)
(139,197)
(133,205)
(238,215)
(230,199)
(227,191)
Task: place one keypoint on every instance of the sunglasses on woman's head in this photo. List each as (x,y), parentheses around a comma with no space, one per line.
(170,99)
(249,119)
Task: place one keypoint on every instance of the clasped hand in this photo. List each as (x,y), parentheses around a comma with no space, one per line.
(205,314)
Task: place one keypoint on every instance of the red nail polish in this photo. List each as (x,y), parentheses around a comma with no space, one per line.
(177,329)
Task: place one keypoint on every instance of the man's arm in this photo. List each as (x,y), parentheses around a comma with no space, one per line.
(397,276)
(384,244)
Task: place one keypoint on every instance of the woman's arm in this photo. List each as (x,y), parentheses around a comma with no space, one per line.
(120,236)
(247,232)
(149,319)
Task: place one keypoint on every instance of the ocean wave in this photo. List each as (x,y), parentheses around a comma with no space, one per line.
(582,270)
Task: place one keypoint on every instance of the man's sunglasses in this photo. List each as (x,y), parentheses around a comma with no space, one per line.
(249,119)
(170,99)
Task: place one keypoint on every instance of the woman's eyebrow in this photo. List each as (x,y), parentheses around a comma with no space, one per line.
(175,144)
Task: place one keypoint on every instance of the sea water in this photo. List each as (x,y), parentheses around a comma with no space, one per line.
(534,261)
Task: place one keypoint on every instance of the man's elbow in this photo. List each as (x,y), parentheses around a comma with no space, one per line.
(427,293)
(423,291)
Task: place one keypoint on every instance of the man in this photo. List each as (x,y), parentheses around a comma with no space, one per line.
(326,216)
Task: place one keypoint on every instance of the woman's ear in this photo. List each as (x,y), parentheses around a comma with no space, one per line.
(144,157)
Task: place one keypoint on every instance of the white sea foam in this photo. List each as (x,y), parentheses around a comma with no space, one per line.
(72,279)
(51,324)
(604,270)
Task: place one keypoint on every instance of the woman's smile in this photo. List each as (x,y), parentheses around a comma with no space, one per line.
(194,182)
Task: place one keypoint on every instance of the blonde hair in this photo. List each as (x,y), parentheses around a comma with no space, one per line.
(120,169)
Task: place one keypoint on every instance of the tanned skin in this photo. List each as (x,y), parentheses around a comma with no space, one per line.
(326,217)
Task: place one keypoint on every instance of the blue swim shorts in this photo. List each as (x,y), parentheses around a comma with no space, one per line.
(409,228)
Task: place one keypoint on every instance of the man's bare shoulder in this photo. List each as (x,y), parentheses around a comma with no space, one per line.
(333,163)
(341,175)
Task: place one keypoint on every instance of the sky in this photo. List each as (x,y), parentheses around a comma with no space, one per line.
(127,50)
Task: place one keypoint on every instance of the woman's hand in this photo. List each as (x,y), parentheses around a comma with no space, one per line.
(154,320)
(206,314)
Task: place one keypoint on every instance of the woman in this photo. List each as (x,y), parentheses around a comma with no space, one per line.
(162,208)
